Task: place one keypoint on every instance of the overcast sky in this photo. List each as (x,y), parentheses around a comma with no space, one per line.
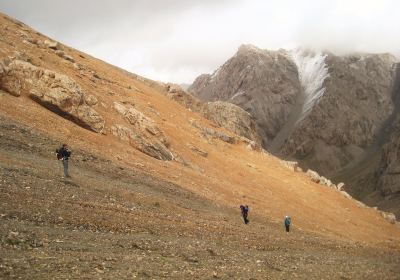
(176,40)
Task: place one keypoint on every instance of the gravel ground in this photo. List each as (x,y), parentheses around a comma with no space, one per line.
(111,222)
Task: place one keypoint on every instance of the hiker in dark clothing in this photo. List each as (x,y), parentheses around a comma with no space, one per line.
(287,222)
(245,212)
(63,154)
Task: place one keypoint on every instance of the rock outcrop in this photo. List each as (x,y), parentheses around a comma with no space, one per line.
(390,217)
(210,133)
(263,83)
(178,94)
(56,92)
(142,133)
(52,44)
(332,114)
(224,114)
(292,165)
(197,150)
(233,118)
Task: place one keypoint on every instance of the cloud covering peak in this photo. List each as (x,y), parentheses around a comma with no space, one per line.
(176,40)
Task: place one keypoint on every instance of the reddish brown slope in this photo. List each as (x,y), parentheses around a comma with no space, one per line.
(229,175)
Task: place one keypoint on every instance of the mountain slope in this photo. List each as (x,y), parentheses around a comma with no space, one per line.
(155,188)
(265,84)
(112,221)
(337,119)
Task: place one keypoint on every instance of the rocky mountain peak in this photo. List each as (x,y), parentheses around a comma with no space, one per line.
(329,112)
(246,48)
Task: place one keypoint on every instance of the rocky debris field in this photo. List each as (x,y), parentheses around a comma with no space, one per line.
(112,222)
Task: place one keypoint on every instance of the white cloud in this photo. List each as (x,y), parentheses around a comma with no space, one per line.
(176,40)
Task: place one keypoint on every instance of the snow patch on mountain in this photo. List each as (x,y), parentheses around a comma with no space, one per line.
(312,71)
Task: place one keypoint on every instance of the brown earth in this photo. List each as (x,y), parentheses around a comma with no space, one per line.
(117,222)
(125,214)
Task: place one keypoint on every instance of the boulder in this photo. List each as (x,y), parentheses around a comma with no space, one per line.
(292,165)
(69,58)
(340,186)
(251,145)
(176,93)
(52,44)
(316,178)
(60,53)
(390,217)
(313,175)
(33,41)
(137,119)
(197,150)
(345,194)
(224,137)
(326,182)
(142,133)
(65,56)
(360,204)
(209,132)
(151,147)
(57,92)
(77,66)
(91,100)
(90,118)
(233,118)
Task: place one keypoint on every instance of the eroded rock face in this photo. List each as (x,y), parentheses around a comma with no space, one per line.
(54,91)
(263,83)
(389,171)
(389,166)
(142,133)
(233,118)
(347,119)
(214,134)
(344,129)
(224,114)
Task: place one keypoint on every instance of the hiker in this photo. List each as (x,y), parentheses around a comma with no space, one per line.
(287,222)
(245,212)
(63,154)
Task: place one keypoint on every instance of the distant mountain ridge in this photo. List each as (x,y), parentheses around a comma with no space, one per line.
(329,112)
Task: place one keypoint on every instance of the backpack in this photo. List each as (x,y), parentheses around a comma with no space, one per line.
(59,156)
(63,153)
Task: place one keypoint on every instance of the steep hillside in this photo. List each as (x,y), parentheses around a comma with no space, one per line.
(155,187)
(338,110)
(113,221)
(265,84)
